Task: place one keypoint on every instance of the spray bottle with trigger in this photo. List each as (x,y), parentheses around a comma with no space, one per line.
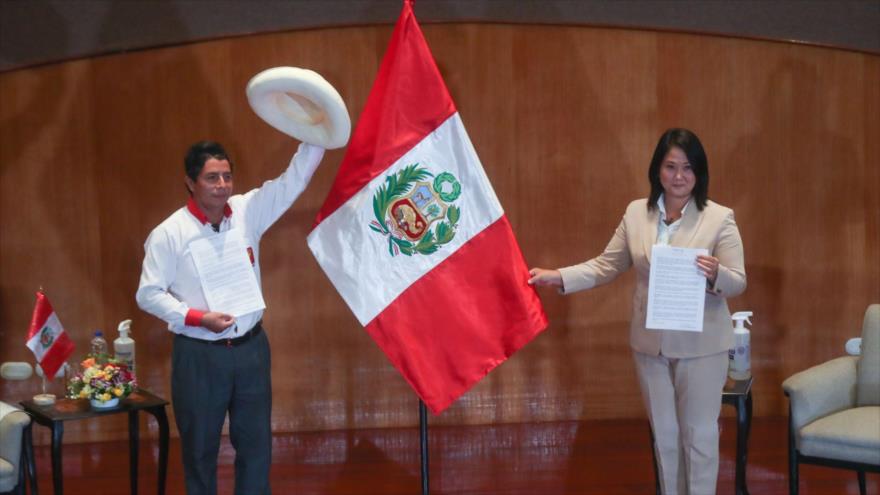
(740,365)
(123,346)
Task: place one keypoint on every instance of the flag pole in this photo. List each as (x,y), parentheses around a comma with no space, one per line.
(423,443)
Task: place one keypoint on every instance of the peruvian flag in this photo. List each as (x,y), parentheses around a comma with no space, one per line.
(414,238)
(47,339)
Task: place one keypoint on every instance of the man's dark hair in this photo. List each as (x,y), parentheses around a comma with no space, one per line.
(690,144)
(199,153)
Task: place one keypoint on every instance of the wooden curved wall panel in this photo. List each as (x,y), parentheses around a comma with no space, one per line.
(564,120)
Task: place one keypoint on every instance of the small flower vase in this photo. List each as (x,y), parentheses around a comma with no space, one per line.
(105,404)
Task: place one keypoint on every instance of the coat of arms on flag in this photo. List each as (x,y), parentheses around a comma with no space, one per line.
(407,207)
(414,238)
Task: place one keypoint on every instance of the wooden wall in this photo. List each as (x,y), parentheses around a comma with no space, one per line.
(564,119)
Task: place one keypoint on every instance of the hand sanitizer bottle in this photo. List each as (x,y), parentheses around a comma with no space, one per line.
(123,346)
(740,366)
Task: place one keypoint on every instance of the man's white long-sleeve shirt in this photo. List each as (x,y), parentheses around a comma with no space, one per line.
(170,287)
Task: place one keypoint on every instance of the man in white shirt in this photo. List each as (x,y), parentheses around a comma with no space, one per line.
(220,363)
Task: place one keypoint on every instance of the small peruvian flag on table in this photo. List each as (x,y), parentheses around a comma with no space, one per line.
(47,339)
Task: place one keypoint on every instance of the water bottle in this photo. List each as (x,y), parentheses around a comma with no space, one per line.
(98,347)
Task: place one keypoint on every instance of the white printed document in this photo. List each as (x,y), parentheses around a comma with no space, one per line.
(228,279)
(676,289)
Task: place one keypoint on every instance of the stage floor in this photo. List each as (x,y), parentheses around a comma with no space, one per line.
(606,457)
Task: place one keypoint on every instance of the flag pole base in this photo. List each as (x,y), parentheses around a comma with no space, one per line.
(44,399)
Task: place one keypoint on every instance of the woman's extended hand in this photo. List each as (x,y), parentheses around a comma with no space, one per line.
(708,265)
(542,277)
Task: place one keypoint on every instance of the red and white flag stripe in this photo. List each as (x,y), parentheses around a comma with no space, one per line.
(356,257)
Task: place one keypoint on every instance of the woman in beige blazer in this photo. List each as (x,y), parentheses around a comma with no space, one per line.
(681,373)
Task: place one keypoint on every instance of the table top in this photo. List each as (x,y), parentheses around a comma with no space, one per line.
(737,387)
(71,409)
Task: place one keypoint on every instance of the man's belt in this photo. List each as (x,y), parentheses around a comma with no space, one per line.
(231,342)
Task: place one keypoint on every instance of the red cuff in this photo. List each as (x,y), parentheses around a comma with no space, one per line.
(194,318)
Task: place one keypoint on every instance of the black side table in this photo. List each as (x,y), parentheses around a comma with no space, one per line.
(736,393)
(739,395)
(54,416)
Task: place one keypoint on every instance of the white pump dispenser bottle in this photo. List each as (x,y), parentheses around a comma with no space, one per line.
(123,346)
(740,366)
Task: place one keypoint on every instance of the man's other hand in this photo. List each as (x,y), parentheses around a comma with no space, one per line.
(217,322)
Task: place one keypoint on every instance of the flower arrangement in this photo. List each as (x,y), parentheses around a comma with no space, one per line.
(101,381)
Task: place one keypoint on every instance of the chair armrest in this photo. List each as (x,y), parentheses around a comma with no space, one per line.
(11,427)
(821,390)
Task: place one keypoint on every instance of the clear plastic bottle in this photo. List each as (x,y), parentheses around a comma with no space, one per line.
(98,347)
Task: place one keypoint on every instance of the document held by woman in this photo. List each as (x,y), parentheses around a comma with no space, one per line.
(676,289)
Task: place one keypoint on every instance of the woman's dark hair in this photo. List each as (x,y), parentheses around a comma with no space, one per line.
(199,153)
(690,144)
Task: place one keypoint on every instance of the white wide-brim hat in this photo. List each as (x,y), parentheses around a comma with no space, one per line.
(302,104)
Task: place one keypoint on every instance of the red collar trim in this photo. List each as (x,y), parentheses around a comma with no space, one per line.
(200,215)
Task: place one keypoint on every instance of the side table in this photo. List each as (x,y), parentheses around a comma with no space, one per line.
(736,393)
(739,395)
(54,416)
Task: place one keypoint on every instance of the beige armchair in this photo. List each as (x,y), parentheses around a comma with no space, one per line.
(834,410)
(13,424)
